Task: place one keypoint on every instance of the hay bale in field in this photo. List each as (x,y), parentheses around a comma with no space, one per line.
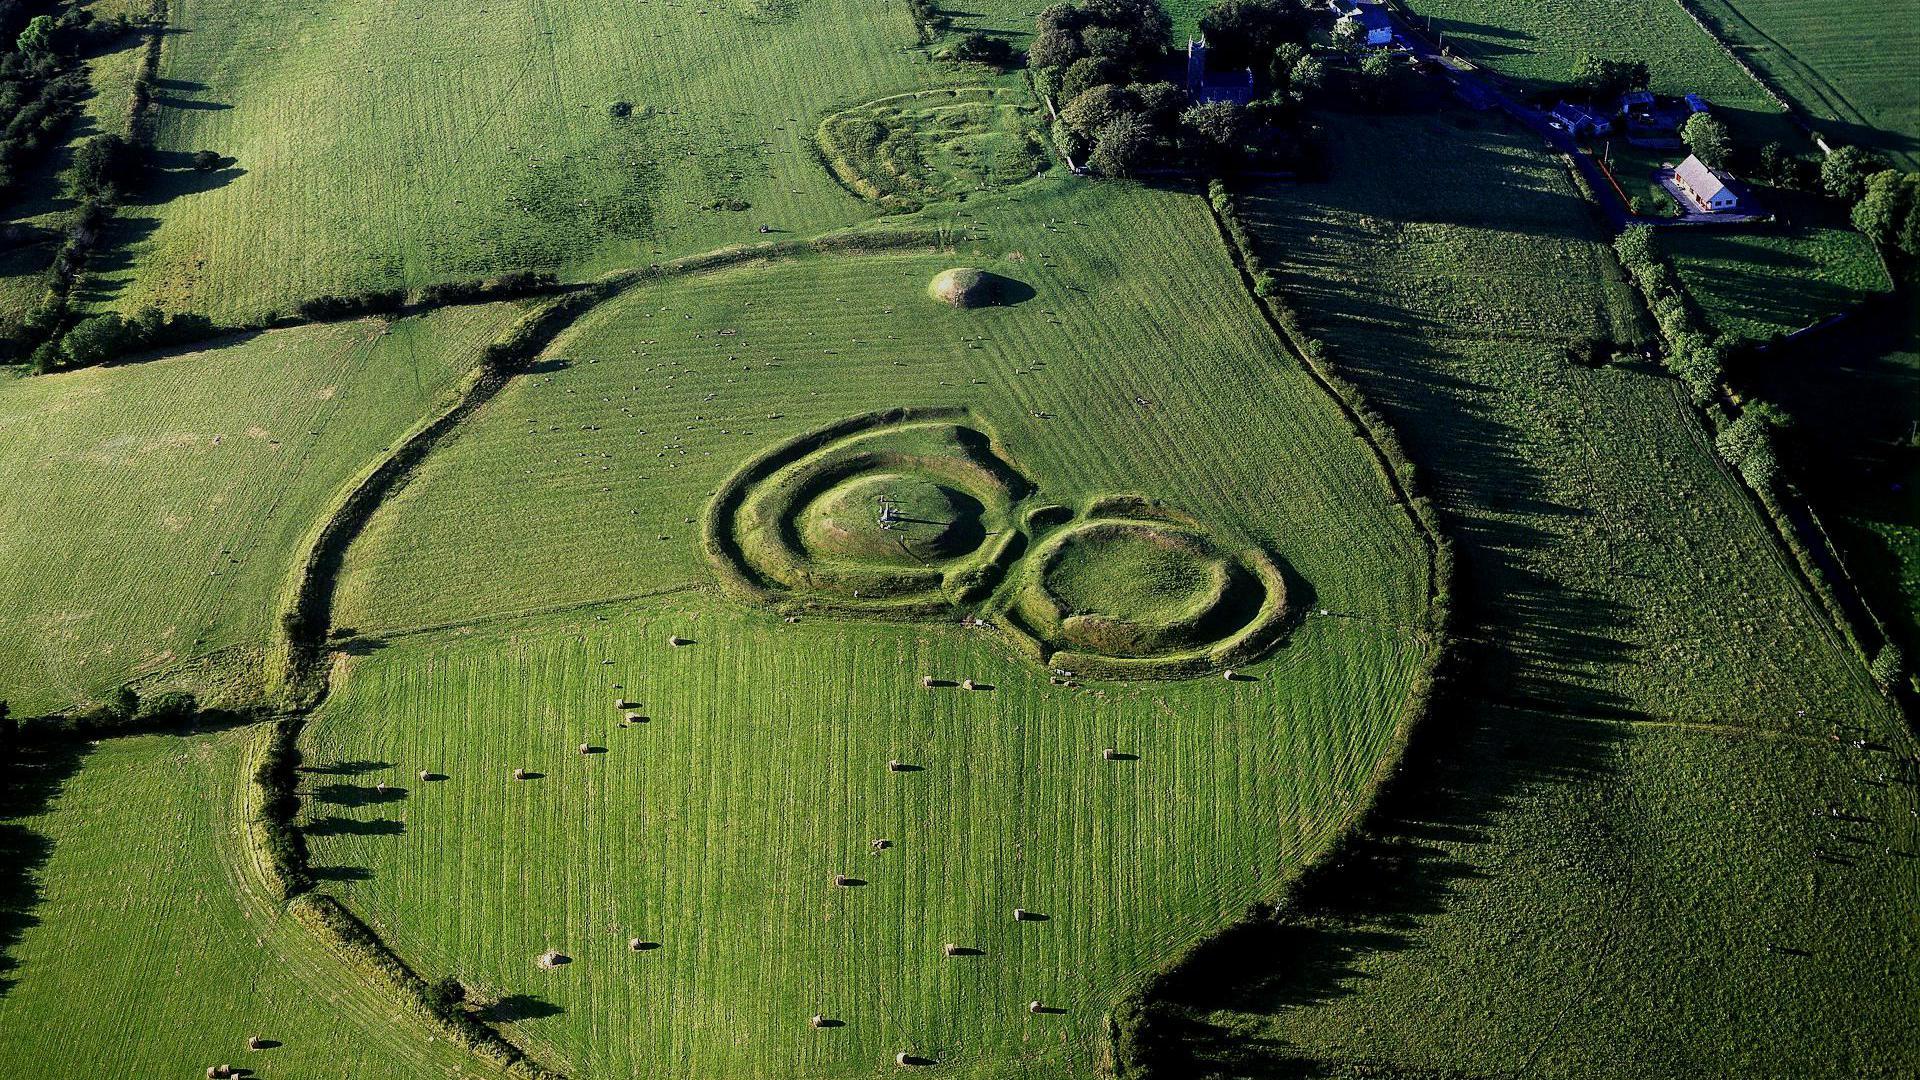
(380,788)
(633,718)
(1229,674)
(1036,1007)
(635,944)
(966,684)
(1110,753)
(519,774)
(896,765)
(624,703)
(965,287)
(1022,915)
(425,774)
(255,1042)
(926,681)
(586,748)
(817,1021)
(676,640)
(842,880)
(882,844)
(553,958)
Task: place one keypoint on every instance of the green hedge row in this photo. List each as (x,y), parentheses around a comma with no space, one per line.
(1695,355)
(352,938)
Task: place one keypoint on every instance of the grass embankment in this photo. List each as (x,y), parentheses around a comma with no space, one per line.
(378,146)
(150,511)
(1615,858)
(150,948)
(716,825)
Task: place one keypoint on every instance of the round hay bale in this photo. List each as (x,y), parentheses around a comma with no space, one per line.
(896,765)
(967,684)
(926,681)
(842,880)
(882,844)
(676,640)
(519,774)
(586,748)
(635,943)
(1110,753)
(424,773)
(950,949)
(965,287)
(255,1042)
(1229,674)
(1036,1007)
(553,958)
(817,1021)
(380,788)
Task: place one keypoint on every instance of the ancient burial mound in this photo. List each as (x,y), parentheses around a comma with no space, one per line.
(964,286)
(909,511)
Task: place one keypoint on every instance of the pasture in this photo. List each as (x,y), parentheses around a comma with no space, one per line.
(380,145)
(151,511)
(1774,280)
(151,947)
(537,570)
(1854,88)
(1634,777)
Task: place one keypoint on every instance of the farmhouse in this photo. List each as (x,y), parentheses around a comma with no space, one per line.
(1236,87)
(1580,120)
(1710,189)
(1376,26)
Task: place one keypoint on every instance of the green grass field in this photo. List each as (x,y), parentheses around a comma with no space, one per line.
(1855,88)
(152,511)
(379,145)
(716,826)
(1774,280)
(150,948)
(1617,861)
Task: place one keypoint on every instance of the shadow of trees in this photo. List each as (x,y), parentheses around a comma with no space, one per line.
(33,781)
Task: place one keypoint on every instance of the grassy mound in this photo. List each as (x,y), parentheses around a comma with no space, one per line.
(965,287)
(801,523)
(1145,598)
(1134,572)
(892,518)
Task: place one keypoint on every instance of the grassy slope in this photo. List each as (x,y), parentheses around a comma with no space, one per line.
(1777,279)
(151,510)
(715,827)
(1855,83)
(167,969)
(382,144)
(1601,870)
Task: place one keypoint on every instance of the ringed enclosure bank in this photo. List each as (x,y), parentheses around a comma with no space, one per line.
(820,539)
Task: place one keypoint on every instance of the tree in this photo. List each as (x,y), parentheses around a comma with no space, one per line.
(38,37)
(1888,214)
(1124,146)
(103,165)
(1144,29)
(1056,38)
(93,340)
(1603,77)
(1096,108)
(124,704)
(1709,140)
(1086,73)
(1244,33)
(1347,33)
(1379,79)
(1307,79)
(446,994)
(1160,102)
(1845,172)
(1214,130)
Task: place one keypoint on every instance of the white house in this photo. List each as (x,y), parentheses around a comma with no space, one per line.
(1710,189)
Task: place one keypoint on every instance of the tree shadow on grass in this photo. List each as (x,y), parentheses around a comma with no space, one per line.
(516,1007)
(33,781)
